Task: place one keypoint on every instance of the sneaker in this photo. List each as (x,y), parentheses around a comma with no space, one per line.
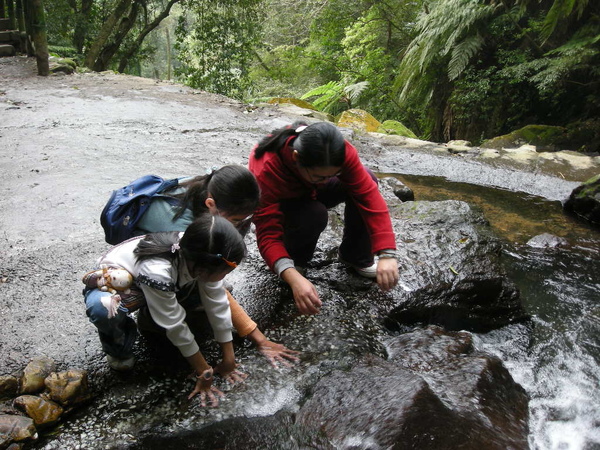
(121,365)
(367,272)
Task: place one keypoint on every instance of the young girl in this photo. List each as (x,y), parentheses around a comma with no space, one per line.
(231,192)
(161,265)
(303,170)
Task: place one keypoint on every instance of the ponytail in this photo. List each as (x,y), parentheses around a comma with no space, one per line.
(277,139)
(318,145)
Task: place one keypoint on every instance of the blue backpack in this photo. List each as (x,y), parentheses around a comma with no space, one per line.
(128,204)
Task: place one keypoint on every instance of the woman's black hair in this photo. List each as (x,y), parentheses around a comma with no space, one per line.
(319,145)
(210,243)
(233,188)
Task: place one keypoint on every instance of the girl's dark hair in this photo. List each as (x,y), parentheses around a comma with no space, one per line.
(233,188)
(210,243)
(319,145)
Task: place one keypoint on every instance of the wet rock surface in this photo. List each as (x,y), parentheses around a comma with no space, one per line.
(584,201)
(547,240)
(432,393)
(60,169)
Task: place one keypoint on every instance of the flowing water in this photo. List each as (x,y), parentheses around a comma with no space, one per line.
(557,360)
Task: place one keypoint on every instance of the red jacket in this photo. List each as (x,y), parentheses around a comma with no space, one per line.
(279,179)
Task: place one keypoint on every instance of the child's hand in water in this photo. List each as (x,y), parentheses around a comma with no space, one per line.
(230,373)
(278,353)
(206,390)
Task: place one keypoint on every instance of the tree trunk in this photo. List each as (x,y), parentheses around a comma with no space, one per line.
(10,9)
(20,15)
(38,36)
(105,32)
(82,24)
(134,48)
(109,50)
(27,14)
(169,62)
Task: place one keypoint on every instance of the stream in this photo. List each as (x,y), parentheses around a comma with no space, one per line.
(558,361)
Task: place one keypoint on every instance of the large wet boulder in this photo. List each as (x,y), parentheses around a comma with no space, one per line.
(434,393)
(474,384)
(450,271)
(584,201)
(238,433)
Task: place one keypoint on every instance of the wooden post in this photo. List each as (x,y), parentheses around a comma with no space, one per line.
(27,8)
(2,10)
(11,14)
(38,35)
(20,16)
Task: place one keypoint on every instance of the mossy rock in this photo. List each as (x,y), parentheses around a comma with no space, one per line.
(396,128)
(544,137)
(293,101)
(584,201)
(360,120)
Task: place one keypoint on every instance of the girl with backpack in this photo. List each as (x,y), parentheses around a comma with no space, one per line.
(302,171)
(231,192)
(161,264)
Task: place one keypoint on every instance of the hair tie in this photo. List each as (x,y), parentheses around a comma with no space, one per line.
(229,263)
(175,247)
(300,129)
(212,169)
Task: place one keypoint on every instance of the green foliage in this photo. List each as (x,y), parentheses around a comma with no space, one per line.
(559,12)
(449,35)
(481,68)
(63,52)
(216,43)
(334,97)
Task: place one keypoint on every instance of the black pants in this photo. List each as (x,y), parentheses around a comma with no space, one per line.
(305,220)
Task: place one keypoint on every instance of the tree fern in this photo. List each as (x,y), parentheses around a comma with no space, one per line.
(462,54)
(331,94)
(451,28)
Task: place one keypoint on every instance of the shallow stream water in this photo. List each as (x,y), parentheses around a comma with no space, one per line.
(557,360)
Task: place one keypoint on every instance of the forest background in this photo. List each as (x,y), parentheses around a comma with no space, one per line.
(447,69)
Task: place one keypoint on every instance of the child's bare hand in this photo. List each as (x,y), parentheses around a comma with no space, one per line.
(230,373)
(212,395)
(207,391)
(278,354)
(235,377)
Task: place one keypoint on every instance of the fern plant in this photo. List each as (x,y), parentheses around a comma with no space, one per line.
(330,96)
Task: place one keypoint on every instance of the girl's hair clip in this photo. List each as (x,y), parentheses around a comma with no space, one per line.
(229,263)
(175,247)
(301,128)
(212,169)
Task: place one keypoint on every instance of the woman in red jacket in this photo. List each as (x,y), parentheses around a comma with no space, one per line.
(302,171)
